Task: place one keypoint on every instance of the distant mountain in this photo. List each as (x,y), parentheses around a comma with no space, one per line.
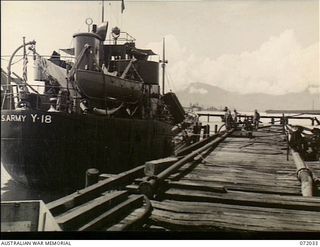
(207,95)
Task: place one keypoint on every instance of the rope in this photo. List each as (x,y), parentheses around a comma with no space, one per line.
(19,59)
(220,128)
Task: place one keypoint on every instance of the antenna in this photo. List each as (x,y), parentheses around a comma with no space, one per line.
(163,64)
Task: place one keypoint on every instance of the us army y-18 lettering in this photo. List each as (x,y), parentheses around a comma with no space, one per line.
(35,118)
(42,118)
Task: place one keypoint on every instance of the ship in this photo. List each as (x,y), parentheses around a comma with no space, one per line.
(102,110)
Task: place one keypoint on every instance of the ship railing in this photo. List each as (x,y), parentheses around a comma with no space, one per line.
(124,37)
(12,96)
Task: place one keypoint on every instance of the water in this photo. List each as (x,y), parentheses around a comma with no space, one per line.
(11,190)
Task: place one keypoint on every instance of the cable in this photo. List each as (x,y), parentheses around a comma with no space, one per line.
(169,75)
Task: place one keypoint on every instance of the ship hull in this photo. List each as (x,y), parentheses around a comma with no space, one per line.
(54,149)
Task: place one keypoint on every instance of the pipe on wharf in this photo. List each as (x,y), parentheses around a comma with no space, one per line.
(304,175)
(148,187)
(195,145)
(133,224)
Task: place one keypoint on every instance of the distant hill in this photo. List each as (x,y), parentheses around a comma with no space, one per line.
(207,95)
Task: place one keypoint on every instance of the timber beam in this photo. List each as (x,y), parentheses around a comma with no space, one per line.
(149,186)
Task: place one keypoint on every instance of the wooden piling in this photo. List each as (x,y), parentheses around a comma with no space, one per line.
(215,128)
(199,132)
(272,120)
(196,132)
(207,131)
(92,176)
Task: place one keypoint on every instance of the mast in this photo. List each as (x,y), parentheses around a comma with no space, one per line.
(102,13)
(163,65)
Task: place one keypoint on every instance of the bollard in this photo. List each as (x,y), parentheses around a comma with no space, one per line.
(198,132)
(208,118)
(272,120)
(194,132)
(215,128)
(92,176)
(205,131)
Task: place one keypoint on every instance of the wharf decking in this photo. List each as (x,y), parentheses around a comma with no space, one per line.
(245,184)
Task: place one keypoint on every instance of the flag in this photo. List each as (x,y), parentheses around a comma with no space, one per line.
(122,6)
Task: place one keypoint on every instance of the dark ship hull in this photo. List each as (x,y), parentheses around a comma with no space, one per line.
(101,110)
(54,149)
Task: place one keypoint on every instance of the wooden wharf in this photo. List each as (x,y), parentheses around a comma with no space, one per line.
(272,118)
(235,182)
(243,185)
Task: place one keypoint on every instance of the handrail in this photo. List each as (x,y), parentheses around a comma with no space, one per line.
(272,117)
(248,116)
(15,96)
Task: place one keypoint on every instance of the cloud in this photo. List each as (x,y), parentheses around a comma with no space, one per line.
(197,90)
(280,65)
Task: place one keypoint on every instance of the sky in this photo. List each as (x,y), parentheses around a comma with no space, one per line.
(245,46)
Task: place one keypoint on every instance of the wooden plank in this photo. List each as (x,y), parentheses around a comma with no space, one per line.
(252,165)
(246,172)
(196,186)
(209,207)
(219,154)
(94,190)
(233,179)
(209,222)
(250,182)
(114,214)
(244,198)
(248,178)
(71,219)
(132,216)
(234,221)
(154,167)
(234,212)
(248,187)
